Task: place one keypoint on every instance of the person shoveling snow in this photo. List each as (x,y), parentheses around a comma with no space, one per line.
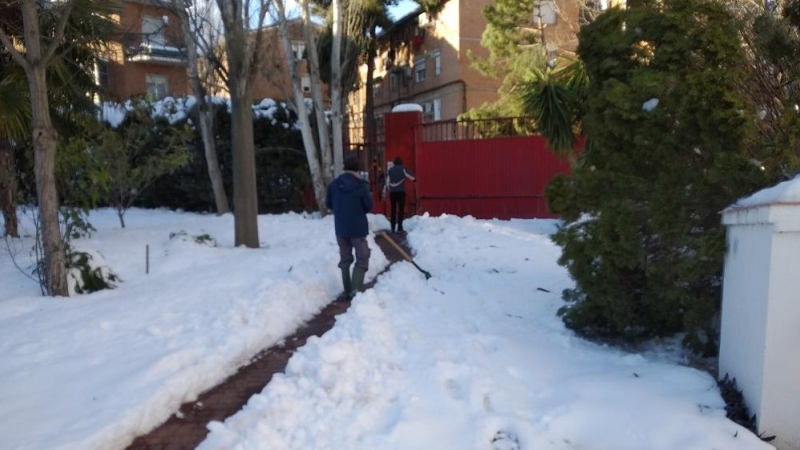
(349,198)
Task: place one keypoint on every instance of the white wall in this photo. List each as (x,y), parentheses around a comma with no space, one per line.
(760,336)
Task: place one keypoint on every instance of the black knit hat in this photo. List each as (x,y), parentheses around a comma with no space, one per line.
(352,164)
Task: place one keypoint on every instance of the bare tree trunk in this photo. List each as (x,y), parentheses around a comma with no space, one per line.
(35,63)
(44,148)
(336,89)
(245,196)
(302,113)
(8,188)
(205,114)
(370,130)
(316,95)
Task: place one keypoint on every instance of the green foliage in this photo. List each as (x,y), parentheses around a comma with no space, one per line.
(137,153)
(280,164)
(515,48)
(88,274)
(202,239)
(555,98)
(118,164)
(643,238)
(774,41)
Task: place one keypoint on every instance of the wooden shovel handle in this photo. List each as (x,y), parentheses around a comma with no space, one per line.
(397,247)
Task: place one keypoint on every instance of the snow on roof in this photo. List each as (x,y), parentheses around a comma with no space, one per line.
(407,107)
(786,192)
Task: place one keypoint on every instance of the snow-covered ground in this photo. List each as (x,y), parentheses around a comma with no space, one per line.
(474,358)
(92,372)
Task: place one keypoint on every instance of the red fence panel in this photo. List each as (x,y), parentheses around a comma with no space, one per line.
(487,178)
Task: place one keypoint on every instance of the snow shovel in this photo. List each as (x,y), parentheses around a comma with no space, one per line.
(405,255)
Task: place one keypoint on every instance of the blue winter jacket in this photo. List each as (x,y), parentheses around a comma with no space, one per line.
(350,200)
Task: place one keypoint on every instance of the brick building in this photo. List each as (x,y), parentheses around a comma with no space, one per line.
(424,57)
(274,80)
(147,57)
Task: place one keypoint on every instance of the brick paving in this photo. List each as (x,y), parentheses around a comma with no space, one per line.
(187,429)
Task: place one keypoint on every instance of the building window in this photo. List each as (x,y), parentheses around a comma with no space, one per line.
(101,73)
(393,81)
(437,63)
(419,71)
(157,86)
(376,88)
(153,30)
(299,49)
(427,112)
(305,82)
(437,109)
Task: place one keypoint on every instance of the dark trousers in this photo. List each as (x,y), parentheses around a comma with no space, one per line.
(346,247)
(397,201)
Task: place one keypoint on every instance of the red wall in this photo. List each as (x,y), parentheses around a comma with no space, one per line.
(500,178)
(490,178)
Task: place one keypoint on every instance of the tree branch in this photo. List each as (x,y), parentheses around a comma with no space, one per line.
(18,57)
(59,34)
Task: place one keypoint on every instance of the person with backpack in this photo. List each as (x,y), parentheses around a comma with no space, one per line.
(349,198)
(396,182)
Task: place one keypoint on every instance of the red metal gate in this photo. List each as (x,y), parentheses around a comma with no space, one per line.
(480,168)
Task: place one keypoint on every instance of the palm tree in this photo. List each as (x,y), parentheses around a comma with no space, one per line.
(375,15)
(555,97)
(14,125)
(69,77)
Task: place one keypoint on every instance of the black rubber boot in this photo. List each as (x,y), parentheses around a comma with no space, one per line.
(346,281)
(358,280)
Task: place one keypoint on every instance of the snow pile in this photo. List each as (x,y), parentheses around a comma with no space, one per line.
(378,223)
(476,358)
(786,192)
(407,107)
(94,371)
(177,109)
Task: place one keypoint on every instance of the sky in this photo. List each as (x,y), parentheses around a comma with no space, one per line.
(403,7)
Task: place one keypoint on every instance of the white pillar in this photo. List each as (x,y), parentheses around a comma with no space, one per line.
(760,336)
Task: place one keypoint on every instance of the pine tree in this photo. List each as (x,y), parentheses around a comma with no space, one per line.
(667,139)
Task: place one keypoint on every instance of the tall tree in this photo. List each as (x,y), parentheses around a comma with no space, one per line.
(524,53)
(194,18)
(40,46)
(14,120)
(323,132)
(667,148)
(243,52)
(353,40)
(770,33)
(299,104)
(70,81)
(375,15)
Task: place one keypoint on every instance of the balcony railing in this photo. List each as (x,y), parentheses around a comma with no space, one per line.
(452,130)
(157,53)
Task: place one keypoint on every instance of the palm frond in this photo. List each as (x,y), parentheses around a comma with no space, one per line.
(15,108)
(555,99)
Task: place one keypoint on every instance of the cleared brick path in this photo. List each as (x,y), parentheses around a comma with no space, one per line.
(224,400)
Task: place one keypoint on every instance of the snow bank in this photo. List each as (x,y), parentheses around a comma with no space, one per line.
(476,358)
(94,371)
(177,109)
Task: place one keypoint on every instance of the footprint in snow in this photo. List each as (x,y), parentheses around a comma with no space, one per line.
(505,440)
